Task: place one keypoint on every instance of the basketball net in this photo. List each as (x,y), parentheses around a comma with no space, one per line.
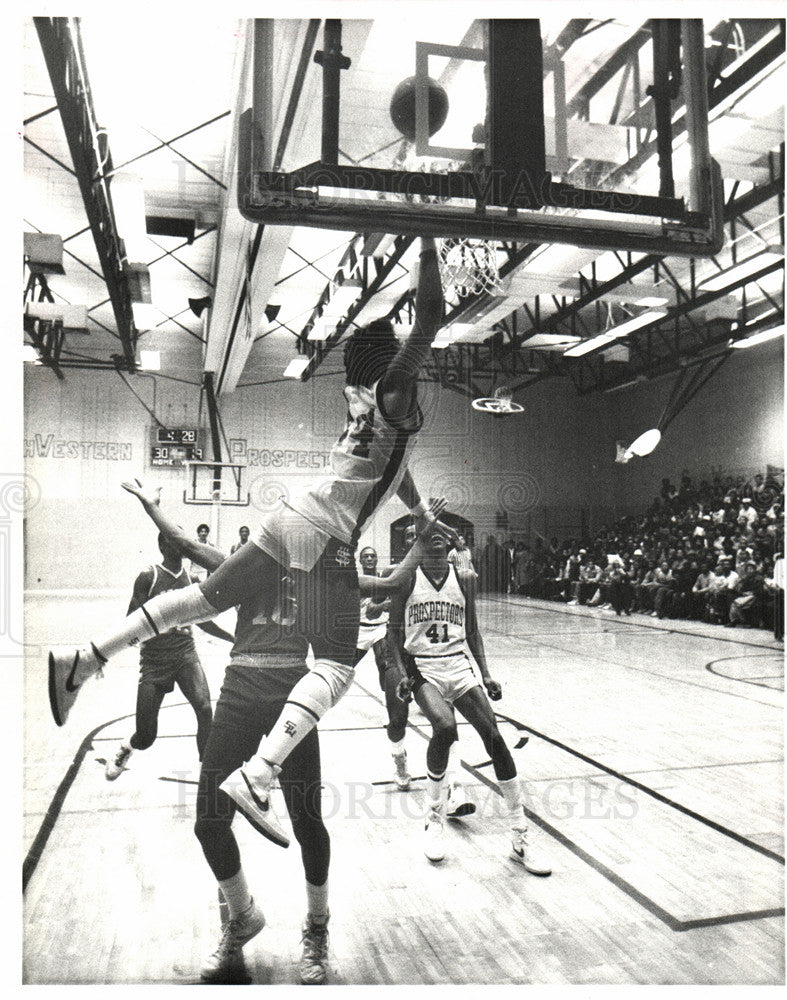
(500,403)
(467,267)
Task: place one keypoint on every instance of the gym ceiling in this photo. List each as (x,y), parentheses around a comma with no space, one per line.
(163,104)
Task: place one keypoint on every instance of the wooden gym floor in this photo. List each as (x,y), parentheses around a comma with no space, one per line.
(654,770)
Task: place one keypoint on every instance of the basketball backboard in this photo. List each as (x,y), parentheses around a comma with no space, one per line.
(220,483)
(523,154)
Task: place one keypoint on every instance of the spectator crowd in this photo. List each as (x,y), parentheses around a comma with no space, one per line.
(711,551)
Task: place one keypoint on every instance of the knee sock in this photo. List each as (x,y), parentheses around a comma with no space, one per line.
(236,893)
(317,900)
(453,770)
(434,790)
(175,607)
(397,747)
(512,796)
(306,704)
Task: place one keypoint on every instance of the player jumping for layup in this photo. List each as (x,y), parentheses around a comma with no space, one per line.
(312,535)
(432,624)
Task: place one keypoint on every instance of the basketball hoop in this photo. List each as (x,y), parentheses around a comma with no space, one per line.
(499,405)
(469,267)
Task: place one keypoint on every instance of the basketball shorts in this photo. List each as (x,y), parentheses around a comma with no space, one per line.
(325,581)
(368,635)
(290,539)
(164,670)
(452,675)
(250,701)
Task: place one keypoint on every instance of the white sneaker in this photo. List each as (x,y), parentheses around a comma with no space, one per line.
(114,768)
(458,804)
(233,937)
(249,788)
(402,776)
(525,849)
(313,966)
(67,674)
(434,847)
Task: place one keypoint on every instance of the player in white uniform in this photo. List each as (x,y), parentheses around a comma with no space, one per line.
(312,536)
(432,626)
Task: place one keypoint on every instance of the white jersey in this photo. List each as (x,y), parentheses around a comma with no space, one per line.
(367,463)
(434,618)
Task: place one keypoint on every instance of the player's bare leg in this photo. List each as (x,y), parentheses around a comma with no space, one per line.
(475,707)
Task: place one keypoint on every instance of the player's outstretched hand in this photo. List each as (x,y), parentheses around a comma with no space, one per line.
(493,689)
(146,494)
(404,689)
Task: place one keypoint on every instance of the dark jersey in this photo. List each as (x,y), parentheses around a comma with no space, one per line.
(176,640)
(265,635)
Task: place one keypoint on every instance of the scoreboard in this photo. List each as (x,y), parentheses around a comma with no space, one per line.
(173,447)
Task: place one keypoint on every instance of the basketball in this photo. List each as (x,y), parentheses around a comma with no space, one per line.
(402,109)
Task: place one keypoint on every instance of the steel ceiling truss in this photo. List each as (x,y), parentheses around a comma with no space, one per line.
(60,44)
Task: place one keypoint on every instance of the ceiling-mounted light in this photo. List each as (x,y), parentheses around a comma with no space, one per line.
(146,316)
(742,270)
(30,354)
(652,301)
(344,295)
(198,306)
(272,311)
(150,361)
(297,367)
(614,333)
(759,338)
(44,253)
(323,327)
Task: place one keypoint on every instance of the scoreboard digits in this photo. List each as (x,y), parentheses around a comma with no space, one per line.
(173,447)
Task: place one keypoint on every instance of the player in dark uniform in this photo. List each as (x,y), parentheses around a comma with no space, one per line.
(311,536)
(371,635)
(165,660)
(268,658)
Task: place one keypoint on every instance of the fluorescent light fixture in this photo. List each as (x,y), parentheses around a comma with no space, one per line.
(744,269)
(30,354)
(146,316)
(615,333)
(589,345)
(343,295)
(323,327)
(760,338)
(297,366)
(150,361)
(652,301)
(72,317)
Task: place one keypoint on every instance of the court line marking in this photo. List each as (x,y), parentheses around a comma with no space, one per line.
(746,680)
(651,673)
(671,921)
(36,849)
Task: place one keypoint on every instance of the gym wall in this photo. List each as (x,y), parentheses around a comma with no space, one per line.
(734,424)
(550,469)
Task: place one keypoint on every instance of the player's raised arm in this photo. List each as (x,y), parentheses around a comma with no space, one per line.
(150,498)
(397,386)
(394,637)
